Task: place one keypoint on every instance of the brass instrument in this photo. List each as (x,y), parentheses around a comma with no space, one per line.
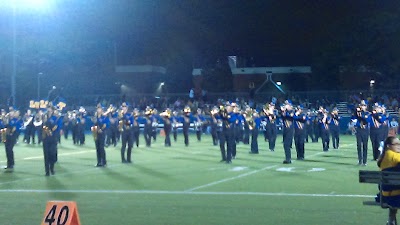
(94,130)
(249,118)
(46,132)
(166,113)
(225,116)
(148,112)
(121,126)
(4,135)
(187,110)
(214,111)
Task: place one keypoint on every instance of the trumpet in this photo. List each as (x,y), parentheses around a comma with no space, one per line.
(94,130)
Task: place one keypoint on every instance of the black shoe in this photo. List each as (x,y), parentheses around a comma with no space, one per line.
(272,150)
(287,162)
(52,172)
(47,174)
(253,152)
(99,165)
(300,158)
(228,162)
(124,161)
(223,160)
(128,161)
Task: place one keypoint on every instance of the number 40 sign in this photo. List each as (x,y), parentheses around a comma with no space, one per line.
(61,213)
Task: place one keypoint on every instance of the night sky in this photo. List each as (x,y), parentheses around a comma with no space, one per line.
(182,34)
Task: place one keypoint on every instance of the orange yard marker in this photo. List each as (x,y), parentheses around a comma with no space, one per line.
(61,213)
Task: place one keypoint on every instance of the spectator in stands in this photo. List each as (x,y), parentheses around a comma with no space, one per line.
(191,94)
(394,103)
(394,126)
(204,95)
(389,161)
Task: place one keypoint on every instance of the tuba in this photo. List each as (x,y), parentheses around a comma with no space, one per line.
(94,130)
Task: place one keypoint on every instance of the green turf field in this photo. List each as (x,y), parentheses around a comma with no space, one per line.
(188,185)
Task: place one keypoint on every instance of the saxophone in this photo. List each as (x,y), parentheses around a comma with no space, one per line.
(94,130)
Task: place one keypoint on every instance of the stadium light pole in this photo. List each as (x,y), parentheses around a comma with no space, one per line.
(15,4)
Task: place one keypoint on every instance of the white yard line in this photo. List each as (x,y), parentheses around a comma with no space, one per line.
(62,154)
(161,192)
(61,174)
(242,175)
(230,178)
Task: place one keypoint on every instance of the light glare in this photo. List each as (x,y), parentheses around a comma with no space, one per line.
(31,4)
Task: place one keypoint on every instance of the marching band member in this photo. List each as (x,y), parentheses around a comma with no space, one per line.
(112,132)
(385,125)
(59,125)
(186,119)
(137,120)
(254,126)
(214,126)
(229,120)
(309,126)
(29,127)
(38,123)
(324,121)
(166,116)
(335,127)
(56,132)
(82,125)
(288,130)
(246,131)
(239,125)
(10,134)
(66,124)
(125,127)
(74,126)
(198,123)
(299,131)
(154,124)
(100,126)
(49,141)
(236,112)
(147,131)
(376,129)
(175,125)
(271,115)
(362,127)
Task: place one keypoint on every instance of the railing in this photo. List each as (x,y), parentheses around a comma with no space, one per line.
(318,97)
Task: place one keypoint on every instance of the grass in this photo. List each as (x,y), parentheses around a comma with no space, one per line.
(188,185)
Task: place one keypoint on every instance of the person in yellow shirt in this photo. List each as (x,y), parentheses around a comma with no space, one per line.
(389,160)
